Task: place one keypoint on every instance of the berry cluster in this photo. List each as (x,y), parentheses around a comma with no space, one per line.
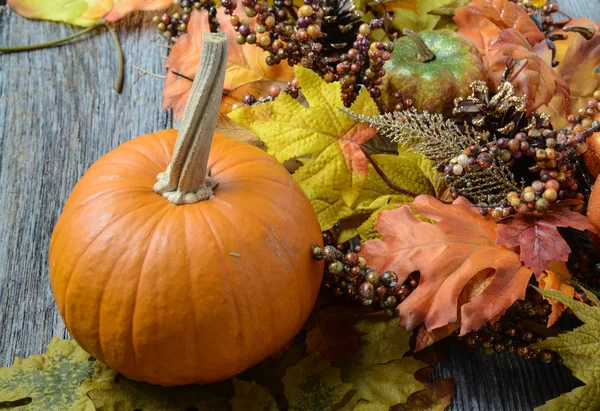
(545,160)
(172,26)
(325,35)
(542,15)
(509,332)
(348,276)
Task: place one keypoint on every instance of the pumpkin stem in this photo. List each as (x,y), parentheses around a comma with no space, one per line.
(425,54)
(186,179)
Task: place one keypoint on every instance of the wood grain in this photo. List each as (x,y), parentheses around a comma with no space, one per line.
(59,113)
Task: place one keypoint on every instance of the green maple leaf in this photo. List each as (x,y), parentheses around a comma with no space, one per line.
(424,20)
(53,381)
(313,384)
(380,374)
(337,171)
(128,395)
(68,11)
(580,351)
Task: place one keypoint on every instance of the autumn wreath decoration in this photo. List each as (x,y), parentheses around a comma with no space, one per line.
(439,184)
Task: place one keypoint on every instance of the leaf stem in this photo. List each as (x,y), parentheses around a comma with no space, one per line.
(385,178)
(16,49)
(121,65)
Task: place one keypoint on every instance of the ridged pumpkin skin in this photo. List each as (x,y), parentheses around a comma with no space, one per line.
(196,293)
(593,206)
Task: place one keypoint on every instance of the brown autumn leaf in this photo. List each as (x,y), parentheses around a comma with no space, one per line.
(556,277)
(246,64)
(580,69)
(538,237)
(448,255)
(331,335)
(505,34)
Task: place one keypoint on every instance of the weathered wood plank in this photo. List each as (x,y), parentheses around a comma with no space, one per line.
(58,114)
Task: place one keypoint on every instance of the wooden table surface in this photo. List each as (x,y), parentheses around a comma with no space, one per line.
(59,113)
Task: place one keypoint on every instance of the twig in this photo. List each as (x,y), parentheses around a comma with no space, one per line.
(146,72)
(16,49)
(519,71)
(121,65)
(385,178)
(181,75)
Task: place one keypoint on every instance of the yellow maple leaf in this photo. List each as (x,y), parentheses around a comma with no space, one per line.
(337,170)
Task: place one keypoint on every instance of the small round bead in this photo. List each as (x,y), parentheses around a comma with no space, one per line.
(364,29)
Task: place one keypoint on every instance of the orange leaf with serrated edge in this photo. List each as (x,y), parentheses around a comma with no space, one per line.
(556,277)
(245,64)
(448,254)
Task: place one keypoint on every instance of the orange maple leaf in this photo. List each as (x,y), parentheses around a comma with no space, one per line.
(578,67)
(448,254)
(505,34)
(556,277)
(245,63)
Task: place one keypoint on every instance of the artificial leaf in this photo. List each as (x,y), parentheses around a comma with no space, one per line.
(505,35)
(314,384)
(406,170)
(331,335)
(448,255)
(53,381)
(68,11)
(563,39)
(422,19)
(580,351)
(579,68)
(391,5)
(123,7)
(476,285)
(538,237)
(482,20)
(556,277)
(337,170)
(449,9)
(84,12)
(245,64)
(536,79)
(250,396)
(126,394)
(380,374)
(230,128)
(436,395)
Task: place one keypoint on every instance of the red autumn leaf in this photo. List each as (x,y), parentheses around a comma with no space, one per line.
(245,64)
(538,237)
(330,334)
(448,254)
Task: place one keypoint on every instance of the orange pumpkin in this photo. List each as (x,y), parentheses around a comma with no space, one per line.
(196,283)
(593,206)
